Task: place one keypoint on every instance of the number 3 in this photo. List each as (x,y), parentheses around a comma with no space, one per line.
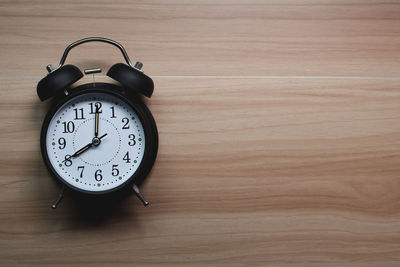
(132,140)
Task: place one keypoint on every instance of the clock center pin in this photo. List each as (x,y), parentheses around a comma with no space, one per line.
(96,141)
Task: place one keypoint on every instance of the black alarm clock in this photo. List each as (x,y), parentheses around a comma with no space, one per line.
(98,138)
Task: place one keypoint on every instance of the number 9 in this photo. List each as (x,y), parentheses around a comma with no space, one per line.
(62,143)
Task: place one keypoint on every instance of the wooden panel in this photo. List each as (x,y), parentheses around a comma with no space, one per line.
(350,38)
(250,172)
(283,151)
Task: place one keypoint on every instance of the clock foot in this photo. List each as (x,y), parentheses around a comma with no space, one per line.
(59,198)
(139,195)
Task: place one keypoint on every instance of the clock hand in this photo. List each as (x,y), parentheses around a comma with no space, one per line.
(102,136)
(96,124)
(83,149)
(95,142)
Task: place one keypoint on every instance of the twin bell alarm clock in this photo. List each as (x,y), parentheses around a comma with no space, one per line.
(98,139)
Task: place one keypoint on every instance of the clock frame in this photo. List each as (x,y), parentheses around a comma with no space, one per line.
(131,99)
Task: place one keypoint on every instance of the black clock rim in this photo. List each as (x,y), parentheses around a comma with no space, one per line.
(144,115)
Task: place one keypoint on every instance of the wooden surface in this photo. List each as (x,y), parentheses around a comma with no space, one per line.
(279,127)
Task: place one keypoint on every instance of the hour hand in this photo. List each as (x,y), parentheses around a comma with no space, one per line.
(95,142)
(83,149)
(77,153)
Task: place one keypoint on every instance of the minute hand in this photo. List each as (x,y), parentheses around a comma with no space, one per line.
(96,123)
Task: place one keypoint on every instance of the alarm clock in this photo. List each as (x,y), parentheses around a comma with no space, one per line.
(98,139)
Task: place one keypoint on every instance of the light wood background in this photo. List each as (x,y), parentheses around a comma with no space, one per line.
(279,127)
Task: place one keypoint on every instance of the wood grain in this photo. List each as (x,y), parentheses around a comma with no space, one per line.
(349,38)
(279,134)
(250,172)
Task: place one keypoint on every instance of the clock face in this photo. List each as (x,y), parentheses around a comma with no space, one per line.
(95,142)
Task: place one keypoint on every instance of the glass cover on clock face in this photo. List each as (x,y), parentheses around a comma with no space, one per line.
(95,142)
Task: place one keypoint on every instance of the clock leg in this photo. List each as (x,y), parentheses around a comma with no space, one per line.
(139,195)
(59,198)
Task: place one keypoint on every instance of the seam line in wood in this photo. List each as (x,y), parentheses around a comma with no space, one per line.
(237,77)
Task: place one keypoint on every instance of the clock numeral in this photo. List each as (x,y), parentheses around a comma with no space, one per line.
(69,127)
(115,171)
(127,158)
(62,143)
(126,125)
(98,176)
(132,140)
(79,114)
(67,160)
(81,167)
(94,107)
(112,112)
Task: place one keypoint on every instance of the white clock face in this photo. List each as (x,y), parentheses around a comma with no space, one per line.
(95,160)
